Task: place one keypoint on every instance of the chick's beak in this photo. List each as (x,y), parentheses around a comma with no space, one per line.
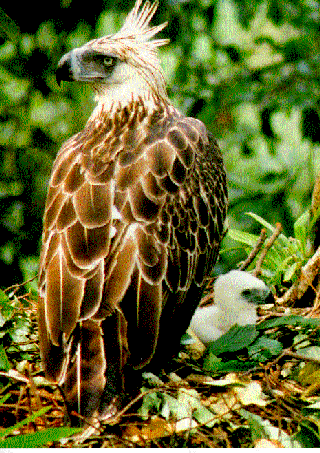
(269,298)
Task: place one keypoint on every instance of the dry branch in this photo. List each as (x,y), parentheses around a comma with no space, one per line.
(254,252)
(308,274)
(267,247)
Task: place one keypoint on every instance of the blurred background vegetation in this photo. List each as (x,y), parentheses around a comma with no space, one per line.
(249,69)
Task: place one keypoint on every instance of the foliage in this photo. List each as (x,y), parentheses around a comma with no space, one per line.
(249,70)
(248,348)
(36,439)
(17,340)
(287,255)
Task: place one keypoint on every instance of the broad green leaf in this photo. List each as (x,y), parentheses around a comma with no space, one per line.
(301,228)
(291,271)
(238,337)
(38,439)
(210,361)
(289,320)
(226,367)
(264,348)
(243,237)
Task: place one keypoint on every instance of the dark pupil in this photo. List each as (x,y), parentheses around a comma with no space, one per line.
(246,292)
(108,61)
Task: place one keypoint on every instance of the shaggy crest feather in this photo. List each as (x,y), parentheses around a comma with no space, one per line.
(136,26)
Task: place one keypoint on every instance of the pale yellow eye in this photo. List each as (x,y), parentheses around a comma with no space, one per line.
(108,61)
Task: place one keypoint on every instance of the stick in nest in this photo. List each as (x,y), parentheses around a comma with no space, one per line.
(308,274)
(266,248)
(254,252)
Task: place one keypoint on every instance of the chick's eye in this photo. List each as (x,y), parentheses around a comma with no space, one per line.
(246,292)
(108,61)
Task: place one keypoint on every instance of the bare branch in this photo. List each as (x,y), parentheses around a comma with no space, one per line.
(254,252)
(267,247)
(308,273)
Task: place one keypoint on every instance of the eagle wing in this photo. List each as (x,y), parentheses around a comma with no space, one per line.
(133,222)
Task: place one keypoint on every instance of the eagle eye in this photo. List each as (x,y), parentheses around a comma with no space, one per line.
(108,62)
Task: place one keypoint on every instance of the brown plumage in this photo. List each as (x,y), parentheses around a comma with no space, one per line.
(132,226)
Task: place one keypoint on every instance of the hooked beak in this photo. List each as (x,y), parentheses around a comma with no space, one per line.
(64,70)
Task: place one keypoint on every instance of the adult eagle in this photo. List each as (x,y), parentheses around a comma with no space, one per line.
(133,221)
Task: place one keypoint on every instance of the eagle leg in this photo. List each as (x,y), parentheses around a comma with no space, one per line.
(93,385)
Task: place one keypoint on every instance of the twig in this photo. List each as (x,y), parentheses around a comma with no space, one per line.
(16,286)
(288,352)
(308,273)
(268,245)
(254,252)
(115,419)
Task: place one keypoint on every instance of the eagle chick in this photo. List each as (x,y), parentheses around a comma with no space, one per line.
(236,297)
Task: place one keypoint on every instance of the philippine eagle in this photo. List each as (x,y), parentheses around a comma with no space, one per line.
(236,297)
(133,221)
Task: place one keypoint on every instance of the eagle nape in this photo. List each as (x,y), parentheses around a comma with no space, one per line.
(133,222)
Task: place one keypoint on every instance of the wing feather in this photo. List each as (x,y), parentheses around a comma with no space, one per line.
(129,236)
(64,294)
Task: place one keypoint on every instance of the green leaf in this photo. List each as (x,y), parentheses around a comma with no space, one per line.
(263,429)
(264,348)
(5,398)
(301,228)
(282,238)
(311,352)
(307,436)
(226,367)
(290,272)
(4,298)
(289,320)
(38,439)
(256,425)
(27,420)
(4,361)
(237,338)
(204,416)
(260,220)
(243,237)
(150,401)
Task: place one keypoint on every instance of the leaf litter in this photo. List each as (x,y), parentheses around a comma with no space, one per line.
(256,386)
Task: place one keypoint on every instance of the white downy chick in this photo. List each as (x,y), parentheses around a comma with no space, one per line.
(236,296)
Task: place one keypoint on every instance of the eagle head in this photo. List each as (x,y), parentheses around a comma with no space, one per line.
(121,67)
